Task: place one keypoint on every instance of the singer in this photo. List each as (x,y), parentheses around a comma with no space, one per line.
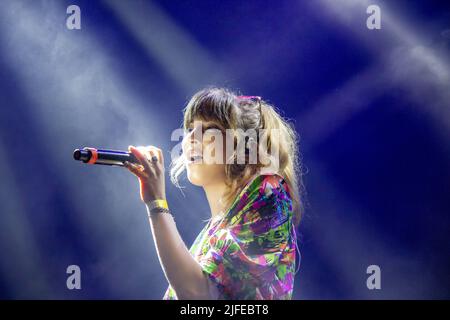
(247,249)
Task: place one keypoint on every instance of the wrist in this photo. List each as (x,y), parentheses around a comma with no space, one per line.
(157,207)
(147,198)
(158,203)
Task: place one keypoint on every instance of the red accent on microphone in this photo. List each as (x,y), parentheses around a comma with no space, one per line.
(94,156)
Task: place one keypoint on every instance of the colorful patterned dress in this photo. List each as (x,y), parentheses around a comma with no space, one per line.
(250,252)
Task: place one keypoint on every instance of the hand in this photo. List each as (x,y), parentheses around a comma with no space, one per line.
(150,174)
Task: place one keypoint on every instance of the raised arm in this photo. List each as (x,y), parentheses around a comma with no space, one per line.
(180,268)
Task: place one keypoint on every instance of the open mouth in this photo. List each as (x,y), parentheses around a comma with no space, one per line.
(194,159)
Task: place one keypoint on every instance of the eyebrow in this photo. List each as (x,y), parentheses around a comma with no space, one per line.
(208,123)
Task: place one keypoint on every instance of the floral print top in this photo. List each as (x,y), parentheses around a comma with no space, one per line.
(250,252)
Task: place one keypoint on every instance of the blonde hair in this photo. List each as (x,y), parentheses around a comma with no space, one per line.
(234,112)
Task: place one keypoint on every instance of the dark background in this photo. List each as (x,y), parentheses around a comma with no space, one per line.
(372,108)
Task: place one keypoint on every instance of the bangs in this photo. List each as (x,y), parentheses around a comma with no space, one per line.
(211,105)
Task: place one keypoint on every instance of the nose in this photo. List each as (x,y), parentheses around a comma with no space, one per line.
(192,139)
(196,131)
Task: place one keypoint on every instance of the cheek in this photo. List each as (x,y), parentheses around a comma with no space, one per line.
(184,144)
(215,150)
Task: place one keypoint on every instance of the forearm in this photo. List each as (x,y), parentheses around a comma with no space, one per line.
(182,271)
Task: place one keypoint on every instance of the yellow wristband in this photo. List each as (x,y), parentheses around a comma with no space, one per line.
(158,203)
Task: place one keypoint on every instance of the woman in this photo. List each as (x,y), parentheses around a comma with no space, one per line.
(247,250)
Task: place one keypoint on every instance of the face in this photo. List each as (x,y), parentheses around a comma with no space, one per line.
(204,152)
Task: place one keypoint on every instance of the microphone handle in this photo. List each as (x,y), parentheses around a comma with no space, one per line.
(104,156)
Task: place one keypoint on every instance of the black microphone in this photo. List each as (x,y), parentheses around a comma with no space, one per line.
(103,156)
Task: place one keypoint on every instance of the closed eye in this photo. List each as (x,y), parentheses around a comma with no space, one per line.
(205,128)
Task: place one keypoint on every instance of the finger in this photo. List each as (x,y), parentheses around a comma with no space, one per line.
(152,153)
(132,168)
(141,157)
(137,170)
(145,151)
(139,167)
(158,153)
(161,157)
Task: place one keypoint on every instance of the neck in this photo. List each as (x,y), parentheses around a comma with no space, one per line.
(214,192)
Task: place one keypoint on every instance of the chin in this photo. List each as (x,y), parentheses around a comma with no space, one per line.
(202,174)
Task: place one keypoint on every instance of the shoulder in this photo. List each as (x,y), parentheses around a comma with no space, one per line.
(266,194)
(268,184)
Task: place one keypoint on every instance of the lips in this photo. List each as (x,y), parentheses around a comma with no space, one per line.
(193,156)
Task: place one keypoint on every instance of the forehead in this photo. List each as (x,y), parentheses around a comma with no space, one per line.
(203,122)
